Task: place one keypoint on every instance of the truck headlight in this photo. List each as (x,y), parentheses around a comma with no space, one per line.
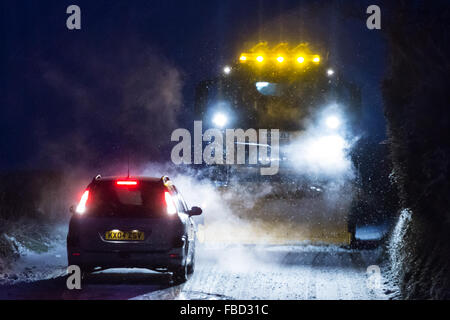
(333,122)
(220,120)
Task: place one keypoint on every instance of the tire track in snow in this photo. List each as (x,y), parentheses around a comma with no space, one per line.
(279,272)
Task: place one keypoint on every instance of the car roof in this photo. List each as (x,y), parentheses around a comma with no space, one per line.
(164,180)
(140,178)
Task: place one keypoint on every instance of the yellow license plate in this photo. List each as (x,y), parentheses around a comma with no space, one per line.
(117,235)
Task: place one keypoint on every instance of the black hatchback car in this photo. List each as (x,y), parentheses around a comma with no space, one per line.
(133,222)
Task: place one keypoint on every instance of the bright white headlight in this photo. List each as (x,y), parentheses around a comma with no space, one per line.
(333,122)
(220,120)
(261,85)
(327,152)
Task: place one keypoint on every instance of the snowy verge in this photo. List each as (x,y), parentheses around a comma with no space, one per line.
(31,252)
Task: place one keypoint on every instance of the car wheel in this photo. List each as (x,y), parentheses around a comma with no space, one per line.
(180,275)
(85,272)
(191,266)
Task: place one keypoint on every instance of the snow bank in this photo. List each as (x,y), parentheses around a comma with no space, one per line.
(32,251)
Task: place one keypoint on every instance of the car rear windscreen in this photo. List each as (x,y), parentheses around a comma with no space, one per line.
(145,200)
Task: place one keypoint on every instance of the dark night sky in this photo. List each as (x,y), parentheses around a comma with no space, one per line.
(72,92)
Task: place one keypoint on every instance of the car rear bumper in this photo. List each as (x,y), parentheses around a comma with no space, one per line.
(170,259)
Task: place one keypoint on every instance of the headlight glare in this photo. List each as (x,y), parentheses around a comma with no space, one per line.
(333,122)
(220,120)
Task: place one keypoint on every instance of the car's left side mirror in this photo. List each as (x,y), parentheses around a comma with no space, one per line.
(195,211)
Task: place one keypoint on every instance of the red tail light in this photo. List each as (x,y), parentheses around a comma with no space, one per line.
(81,208)
(171,208)
(126,182)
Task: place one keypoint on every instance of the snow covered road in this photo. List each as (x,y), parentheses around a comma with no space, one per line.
(224,272)
(278,272)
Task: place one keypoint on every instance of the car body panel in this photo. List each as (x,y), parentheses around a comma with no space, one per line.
(168,242)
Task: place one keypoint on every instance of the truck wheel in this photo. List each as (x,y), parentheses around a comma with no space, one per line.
(352,231)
